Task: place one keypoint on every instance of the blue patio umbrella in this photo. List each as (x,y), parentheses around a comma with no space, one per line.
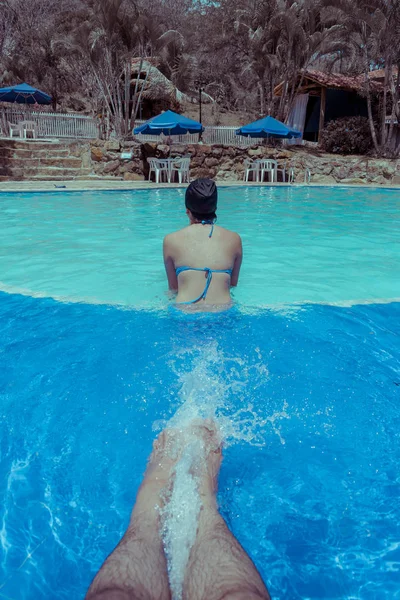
(169,123)
(268,127)
(24,94)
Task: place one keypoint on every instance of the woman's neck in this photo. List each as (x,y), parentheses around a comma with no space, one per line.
(202,222)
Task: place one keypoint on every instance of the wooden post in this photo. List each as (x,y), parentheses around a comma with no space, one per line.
(200,114)
(322,113)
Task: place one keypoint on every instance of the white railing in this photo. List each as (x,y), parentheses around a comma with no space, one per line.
(77,126)
(51,124)
(211,135)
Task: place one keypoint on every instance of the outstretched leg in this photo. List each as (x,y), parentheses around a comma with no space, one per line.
(219,568)
(137,569)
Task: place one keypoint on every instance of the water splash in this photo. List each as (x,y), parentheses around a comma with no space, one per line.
(180,517)
(206,390)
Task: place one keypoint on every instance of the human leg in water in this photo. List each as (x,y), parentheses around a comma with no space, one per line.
(137,568)
(219,568)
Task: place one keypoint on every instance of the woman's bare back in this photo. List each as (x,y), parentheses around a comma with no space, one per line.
(193,247)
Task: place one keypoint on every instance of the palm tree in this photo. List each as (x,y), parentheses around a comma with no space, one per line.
(372,28)
(284,38)
(260,60)
(107,37)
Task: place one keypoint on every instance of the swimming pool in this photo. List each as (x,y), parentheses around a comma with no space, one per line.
(308,398)
(332,245)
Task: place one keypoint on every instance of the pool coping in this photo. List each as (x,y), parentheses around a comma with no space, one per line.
(109,185)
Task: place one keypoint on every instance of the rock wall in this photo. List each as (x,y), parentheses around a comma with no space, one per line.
(226,163)
(107,161)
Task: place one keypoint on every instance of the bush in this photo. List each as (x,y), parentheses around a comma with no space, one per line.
(349,135)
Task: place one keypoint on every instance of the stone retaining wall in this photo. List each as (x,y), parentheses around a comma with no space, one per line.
(226,163)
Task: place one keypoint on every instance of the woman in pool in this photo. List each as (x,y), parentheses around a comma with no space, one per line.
(202,260)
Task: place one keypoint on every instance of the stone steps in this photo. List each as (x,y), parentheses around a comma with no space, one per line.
(26,163)
(32,144)
(45,161)
(6,151)
(42,172)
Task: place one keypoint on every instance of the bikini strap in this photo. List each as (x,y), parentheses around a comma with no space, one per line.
(209,273)
(209,223)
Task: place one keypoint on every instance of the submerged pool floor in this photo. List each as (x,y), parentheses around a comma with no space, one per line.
(309,482)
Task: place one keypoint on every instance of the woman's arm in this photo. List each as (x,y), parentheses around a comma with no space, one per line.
(169,264)
(237,262)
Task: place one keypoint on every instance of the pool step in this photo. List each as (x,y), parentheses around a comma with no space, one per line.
(45,161)
(9,152)
(42,172)
(26,163)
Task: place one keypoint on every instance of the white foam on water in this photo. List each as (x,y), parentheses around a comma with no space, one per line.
(16,476)
(180,517)
(204,391)
(206,387)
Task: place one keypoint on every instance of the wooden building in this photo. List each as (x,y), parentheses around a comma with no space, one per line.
(323,97)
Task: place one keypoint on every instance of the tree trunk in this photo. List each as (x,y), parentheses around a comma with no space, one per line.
(262,97)
(371,122)
(136,97)
(369,104)
(283,96)
(397,149)
(119,117)
(54,95)
(128,68)
(139,99)
(285,84)
(395,99)
(322,110)
(383,115)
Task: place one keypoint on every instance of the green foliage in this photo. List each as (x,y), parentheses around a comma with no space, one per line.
(238,49)
(349,135)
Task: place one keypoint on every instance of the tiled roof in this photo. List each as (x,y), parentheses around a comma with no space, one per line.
(354,83)
(380,73)
(340,81)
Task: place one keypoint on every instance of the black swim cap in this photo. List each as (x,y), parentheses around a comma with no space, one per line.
(201,196)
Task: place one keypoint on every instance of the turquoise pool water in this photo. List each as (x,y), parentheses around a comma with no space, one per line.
(332,245)
(307,399)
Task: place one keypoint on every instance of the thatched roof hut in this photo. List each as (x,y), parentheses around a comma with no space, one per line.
(159,93)
(322,97)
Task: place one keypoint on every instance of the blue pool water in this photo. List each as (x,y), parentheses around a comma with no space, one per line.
(332,245)
(308,400)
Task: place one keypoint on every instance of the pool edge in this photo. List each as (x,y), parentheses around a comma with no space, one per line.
(89,185)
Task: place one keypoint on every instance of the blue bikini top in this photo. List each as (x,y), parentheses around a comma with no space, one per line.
(205,270)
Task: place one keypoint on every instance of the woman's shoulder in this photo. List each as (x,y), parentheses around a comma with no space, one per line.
(175,235)
(228,232)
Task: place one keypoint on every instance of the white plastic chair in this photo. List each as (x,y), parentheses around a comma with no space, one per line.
(268,166)
(29,129)
(281,170)
(250,167)
(159,168)
(292,173)
(181,167)
(15,128)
